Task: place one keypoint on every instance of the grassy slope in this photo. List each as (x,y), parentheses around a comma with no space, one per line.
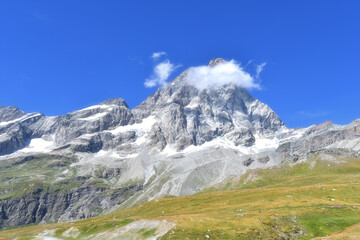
(303,201)
(22,176)
(350,233)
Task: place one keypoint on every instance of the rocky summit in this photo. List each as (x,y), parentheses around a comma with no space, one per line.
(179,141)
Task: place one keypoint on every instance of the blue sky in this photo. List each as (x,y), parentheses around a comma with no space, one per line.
(60,56)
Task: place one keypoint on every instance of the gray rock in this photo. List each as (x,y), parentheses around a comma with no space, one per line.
(248,162)
(322,136)
(192,117)
(10,113)
(42,206)
(216,61)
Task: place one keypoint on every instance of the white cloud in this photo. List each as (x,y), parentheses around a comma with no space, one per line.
(221,74)
(161,73)
(259,69)
(157,55)
(249,62)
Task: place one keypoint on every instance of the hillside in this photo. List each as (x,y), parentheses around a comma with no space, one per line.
(302,200)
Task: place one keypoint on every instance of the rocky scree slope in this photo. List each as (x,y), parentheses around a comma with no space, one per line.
(178,141)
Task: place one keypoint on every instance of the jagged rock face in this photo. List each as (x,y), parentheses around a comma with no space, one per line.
(42,206)
(189,116)
(20,128)
(90,121)
(16,130)
(326,135)
(184,116)
(10,113)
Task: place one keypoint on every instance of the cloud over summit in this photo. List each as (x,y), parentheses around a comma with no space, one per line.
(215,75)
(219,75)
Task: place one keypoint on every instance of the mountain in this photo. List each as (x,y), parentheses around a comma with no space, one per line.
(179,141)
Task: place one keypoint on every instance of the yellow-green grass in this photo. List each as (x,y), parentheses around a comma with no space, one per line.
(299,201)
(350,233)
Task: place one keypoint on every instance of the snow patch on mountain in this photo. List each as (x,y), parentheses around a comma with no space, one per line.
(139,128)
(101,106)
(94,117)
(262,143)
(38,145)
(21,119)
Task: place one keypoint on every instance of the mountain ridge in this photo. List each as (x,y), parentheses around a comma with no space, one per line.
(178,141)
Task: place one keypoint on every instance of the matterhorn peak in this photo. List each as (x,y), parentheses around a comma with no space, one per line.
(216,61)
